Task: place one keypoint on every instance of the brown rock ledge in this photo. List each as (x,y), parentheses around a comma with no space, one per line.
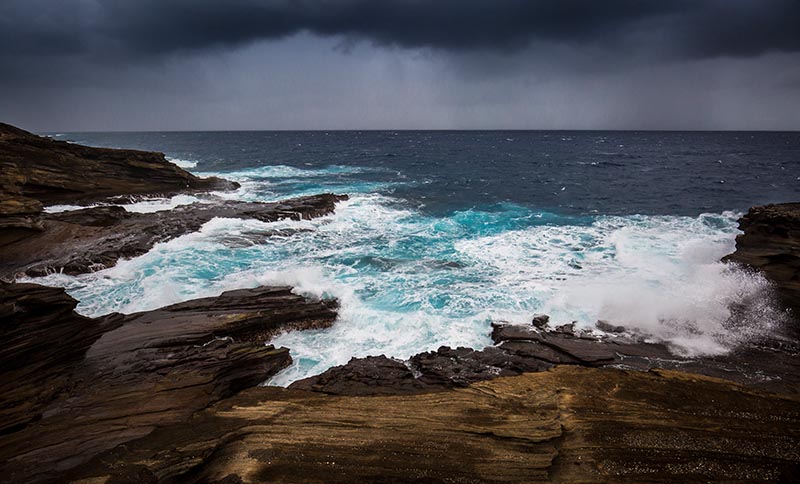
(73,387)
(37,171)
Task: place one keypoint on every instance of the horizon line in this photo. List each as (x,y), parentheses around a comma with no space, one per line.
(383,130)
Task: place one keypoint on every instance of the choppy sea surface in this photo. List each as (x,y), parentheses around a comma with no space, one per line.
(447,231)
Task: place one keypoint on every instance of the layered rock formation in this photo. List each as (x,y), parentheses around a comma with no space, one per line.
(43,341)
(73,387)
(567,425)
(37,171)
(90,239)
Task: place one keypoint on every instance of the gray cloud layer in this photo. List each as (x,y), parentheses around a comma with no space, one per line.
(186,64)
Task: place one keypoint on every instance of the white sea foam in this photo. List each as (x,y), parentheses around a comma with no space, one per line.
(182,163)
(277,182)
(149,205)
(286,172)
(409,283)
(68,208)
(659,276)
(142,205)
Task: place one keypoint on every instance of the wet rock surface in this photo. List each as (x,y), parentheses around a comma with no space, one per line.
(373,375)
(771,244)
(74,387)
(432,371)
(90,239)
(169,396)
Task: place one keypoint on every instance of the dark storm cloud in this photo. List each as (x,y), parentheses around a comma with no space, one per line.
(112,29)
(444,64)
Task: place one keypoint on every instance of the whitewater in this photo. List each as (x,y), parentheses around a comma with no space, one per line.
(410,281)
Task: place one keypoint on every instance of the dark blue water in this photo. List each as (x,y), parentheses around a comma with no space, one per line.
(582,172)
(446,231)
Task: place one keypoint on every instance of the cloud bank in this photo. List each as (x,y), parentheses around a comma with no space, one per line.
(691,28)
(474,56)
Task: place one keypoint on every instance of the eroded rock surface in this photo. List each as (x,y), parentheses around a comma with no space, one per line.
(74,387)
(90,239)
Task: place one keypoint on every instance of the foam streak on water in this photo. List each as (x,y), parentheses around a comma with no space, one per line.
(185,164)
(142,205)
(410,281)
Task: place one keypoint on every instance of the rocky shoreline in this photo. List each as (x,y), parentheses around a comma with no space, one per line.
(172,395)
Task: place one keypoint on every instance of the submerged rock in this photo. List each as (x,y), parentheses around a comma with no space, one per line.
(607,327)
(540,320)
(73,387)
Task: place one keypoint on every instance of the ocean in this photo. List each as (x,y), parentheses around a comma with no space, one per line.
(445,232)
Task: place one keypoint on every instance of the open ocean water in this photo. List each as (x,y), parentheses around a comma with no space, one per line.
(447,231)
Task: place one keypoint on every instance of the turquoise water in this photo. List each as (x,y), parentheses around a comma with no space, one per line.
(411,278)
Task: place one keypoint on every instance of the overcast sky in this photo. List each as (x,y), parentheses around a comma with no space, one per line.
(70,65)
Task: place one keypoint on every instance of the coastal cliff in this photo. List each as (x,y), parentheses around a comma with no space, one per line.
(567,425)
(36,171)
